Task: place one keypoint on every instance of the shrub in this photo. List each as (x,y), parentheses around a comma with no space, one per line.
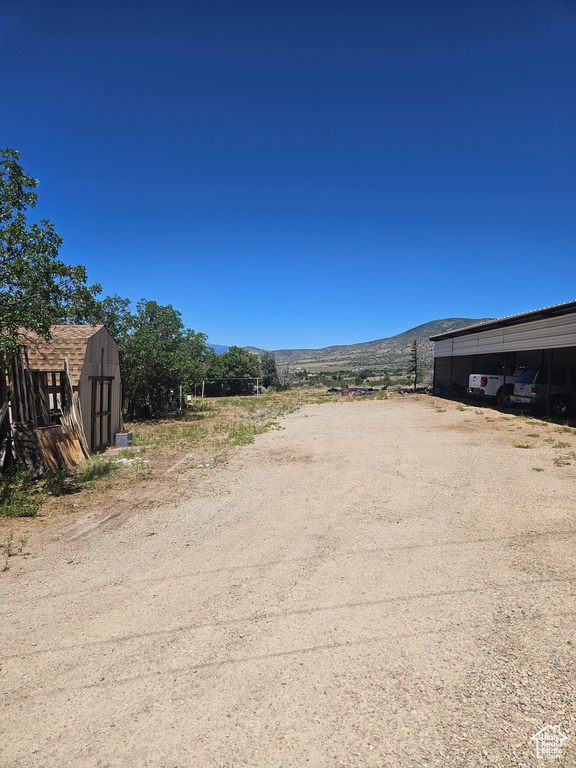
(97,469)
(18,495)
(58,482)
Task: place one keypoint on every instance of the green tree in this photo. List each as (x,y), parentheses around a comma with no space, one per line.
(195,356)
(237,369)
(158,355)
(269,372)
(37,289)
(114,312)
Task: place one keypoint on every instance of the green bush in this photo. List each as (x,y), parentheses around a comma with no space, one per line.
(97,469)
(58,482)
(19,495)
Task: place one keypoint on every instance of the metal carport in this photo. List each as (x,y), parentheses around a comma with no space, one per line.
(543,337)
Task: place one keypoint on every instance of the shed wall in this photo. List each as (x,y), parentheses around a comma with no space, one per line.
(101,360)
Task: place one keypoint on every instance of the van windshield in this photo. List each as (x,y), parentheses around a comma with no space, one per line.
(527,376)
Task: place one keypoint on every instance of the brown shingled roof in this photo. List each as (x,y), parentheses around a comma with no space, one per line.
(67,341)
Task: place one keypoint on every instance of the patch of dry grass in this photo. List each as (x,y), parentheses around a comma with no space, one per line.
(209,427)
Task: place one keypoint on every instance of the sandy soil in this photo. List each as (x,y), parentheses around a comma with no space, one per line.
(377,584)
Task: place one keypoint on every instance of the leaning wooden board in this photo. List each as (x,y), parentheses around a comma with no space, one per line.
(60,446)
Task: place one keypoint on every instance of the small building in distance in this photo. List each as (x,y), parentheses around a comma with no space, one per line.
(94,372)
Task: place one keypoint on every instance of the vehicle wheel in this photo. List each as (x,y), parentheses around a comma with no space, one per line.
(503,399)
(559,406)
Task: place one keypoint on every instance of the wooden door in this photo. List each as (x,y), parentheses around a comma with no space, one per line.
(101,436)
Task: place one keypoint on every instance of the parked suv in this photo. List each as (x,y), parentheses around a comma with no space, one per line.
(531,388)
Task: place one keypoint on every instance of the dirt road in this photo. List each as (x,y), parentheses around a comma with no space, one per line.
(377,584)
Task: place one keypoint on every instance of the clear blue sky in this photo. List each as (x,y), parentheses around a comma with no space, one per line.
(300,173)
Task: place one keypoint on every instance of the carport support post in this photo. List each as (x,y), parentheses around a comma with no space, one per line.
(504,382)
(548,398)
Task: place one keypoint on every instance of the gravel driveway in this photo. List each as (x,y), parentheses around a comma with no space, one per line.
(378,583)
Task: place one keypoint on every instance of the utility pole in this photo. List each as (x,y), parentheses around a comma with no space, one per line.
(414,362)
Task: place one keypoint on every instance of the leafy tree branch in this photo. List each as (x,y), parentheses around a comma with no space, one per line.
(37,289)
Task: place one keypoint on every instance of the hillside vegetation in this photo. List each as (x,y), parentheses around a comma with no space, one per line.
(393,352)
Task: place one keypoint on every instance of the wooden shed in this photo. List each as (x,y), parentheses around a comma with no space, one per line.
(94,372)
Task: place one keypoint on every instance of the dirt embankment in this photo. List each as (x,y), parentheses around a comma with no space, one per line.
(378,584)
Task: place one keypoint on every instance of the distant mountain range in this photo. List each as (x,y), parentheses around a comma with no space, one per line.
(218,348)
(393,352)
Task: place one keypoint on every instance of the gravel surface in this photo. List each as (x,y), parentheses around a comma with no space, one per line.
(379,583)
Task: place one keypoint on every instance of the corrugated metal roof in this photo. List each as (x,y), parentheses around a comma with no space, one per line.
(535,314)
(67,341)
